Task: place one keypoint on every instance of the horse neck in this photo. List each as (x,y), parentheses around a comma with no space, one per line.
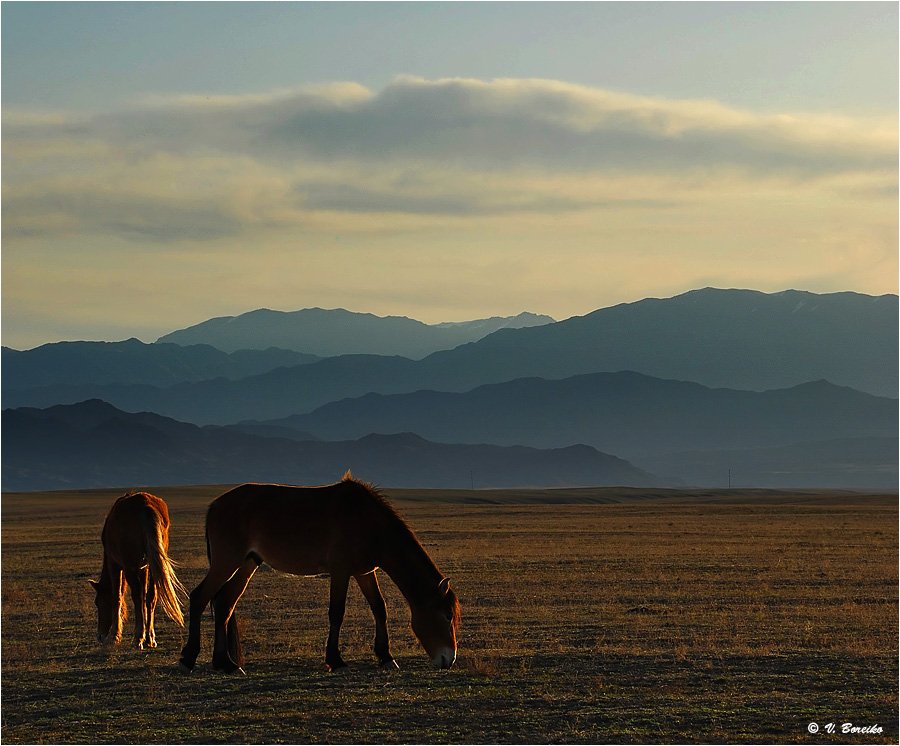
(106,581)
(411,569)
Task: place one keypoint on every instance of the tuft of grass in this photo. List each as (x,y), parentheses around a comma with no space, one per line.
(480,665)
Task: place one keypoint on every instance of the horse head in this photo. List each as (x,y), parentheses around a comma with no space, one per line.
(109,619)
(434,623)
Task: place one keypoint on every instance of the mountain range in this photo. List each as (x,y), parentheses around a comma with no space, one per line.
(860,463)
(626,413)
(132,361)
(92,444)
(785,389)
(327,333)
(721,338)
(741,339)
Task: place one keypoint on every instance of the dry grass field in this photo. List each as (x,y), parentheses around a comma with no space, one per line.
(607,616)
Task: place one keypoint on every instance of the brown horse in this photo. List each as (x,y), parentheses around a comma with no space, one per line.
(135,554)
(343,530)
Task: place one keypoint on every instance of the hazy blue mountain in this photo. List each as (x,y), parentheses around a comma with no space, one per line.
(628,414)
(734,338)
(727,338)
(92,444)
(339,332)
(860,463)
(266,430)
(480,328)
(276,393)
(132,361)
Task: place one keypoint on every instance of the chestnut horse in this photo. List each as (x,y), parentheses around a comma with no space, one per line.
(135,554)
(343,530)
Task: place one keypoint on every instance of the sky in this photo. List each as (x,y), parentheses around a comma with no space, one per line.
(164,163)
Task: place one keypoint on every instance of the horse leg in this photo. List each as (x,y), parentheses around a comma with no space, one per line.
(337,604)
(368,584)
(216,577)
(137,580)
(151,610)
(226,637)
(233,637)
(114,634)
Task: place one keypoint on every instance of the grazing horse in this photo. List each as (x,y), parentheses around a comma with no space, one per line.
(135,554)
(343,530)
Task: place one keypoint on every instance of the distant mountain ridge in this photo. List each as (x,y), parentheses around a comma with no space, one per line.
(857,463)
(133,362)
(92,444)
(788,388)
(719,338)
(330,332)
(625,413)
(742,339)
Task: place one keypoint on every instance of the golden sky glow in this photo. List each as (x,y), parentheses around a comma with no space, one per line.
(441,199)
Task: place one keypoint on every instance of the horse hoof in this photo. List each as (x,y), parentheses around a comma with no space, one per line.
(337,667)
(184,668)
(228,666)
(389,666)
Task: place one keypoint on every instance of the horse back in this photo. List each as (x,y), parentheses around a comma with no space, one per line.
(124,535)
(299,530)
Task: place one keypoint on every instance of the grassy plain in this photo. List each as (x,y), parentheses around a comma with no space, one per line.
(599,616)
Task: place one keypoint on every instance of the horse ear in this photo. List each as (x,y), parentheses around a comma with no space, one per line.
(444,586)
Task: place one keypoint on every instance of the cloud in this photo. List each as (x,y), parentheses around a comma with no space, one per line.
(135,216)
(199,168)
(355,199)
(502,122)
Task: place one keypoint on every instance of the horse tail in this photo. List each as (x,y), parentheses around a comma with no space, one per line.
(162,574)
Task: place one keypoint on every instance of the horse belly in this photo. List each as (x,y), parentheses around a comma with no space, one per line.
(291,554)
(295,564)
(312,556)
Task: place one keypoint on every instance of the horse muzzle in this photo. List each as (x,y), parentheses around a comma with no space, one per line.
(444,659)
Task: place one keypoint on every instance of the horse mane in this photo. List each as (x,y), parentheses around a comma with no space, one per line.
(378,496)
(380,499)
